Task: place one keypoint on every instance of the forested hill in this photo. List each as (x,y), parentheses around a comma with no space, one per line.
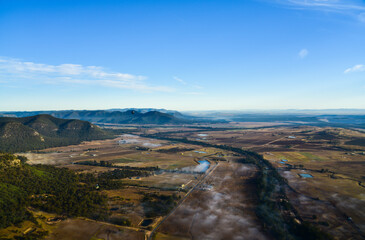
(46,188)
(43,131)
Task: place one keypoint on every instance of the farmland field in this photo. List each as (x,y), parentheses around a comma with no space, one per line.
(225,196)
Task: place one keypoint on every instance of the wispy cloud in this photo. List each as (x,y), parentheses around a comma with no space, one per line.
(356,68)
(179,80)
(354,8)
(326,4)
(11,68)
(189,86)
(303,53)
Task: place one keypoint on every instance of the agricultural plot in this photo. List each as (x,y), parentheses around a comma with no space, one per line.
(196,187)
(166,180)
(324,172)
(84,229)
(136,204)
(223,200)
(336,188)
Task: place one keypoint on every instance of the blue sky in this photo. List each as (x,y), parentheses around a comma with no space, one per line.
(183,55)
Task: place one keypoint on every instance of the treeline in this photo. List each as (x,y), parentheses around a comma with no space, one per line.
(124,173)
(109,164)
(174,150)
(23,143)
(46,188)
(155,205)
(274,210)
(111,179)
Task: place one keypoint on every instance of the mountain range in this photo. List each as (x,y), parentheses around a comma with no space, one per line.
(116,116)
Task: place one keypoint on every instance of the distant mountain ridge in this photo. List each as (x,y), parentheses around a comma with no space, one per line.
(145,110)
(117,116)
(43,131)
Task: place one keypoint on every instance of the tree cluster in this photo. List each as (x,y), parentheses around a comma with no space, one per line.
(47,188)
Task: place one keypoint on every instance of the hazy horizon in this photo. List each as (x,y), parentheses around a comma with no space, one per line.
(204,111)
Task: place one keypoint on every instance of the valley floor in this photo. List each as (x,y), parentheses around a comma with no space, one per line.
(220,203)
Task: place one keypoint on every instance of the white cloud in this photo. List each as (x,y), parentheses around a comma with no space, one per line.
(179,80)
(327,4)
(73,73)
(188,85)
(356,68)
(303,53)
(353,8)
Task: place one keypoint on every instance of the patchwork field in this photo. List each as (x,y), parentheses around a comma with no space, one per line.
(131,204)
(333,197)
(174,196)
(335,187)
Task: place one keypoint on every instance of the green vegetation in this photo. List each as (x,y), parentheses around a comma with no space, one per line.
(46,188)
(120,221)
(111,165)
(325,135)
(357,142)
(158,205)
(174,150)
(140,148)
(110,179)
(123,160)
(12,202)
(44,131)
(124,173)
(311,156)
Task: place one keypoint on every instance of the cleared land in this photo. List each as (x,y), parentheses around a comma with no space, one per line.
(334,198)
(220,208)
(221,205)
(134,206)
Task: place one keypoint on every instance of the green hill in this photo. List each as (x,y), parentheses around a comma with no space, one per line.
(46,188)
(43,131)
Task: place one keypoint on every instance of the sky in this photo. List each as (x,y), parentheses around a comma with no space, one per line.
(182,55)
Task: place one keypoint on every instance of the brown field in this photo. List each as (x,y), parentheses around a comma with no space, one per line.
(224,210)
(125,154)
(333,199)
(165,180)
(338,197)
(80,229)
(220,205)
(125,203)
(41,225)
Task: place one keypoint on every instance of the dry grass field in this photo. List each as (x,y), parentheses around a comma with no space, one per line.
(82,229)
(177,175)
(220,208)
(338,192)
(333,198)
